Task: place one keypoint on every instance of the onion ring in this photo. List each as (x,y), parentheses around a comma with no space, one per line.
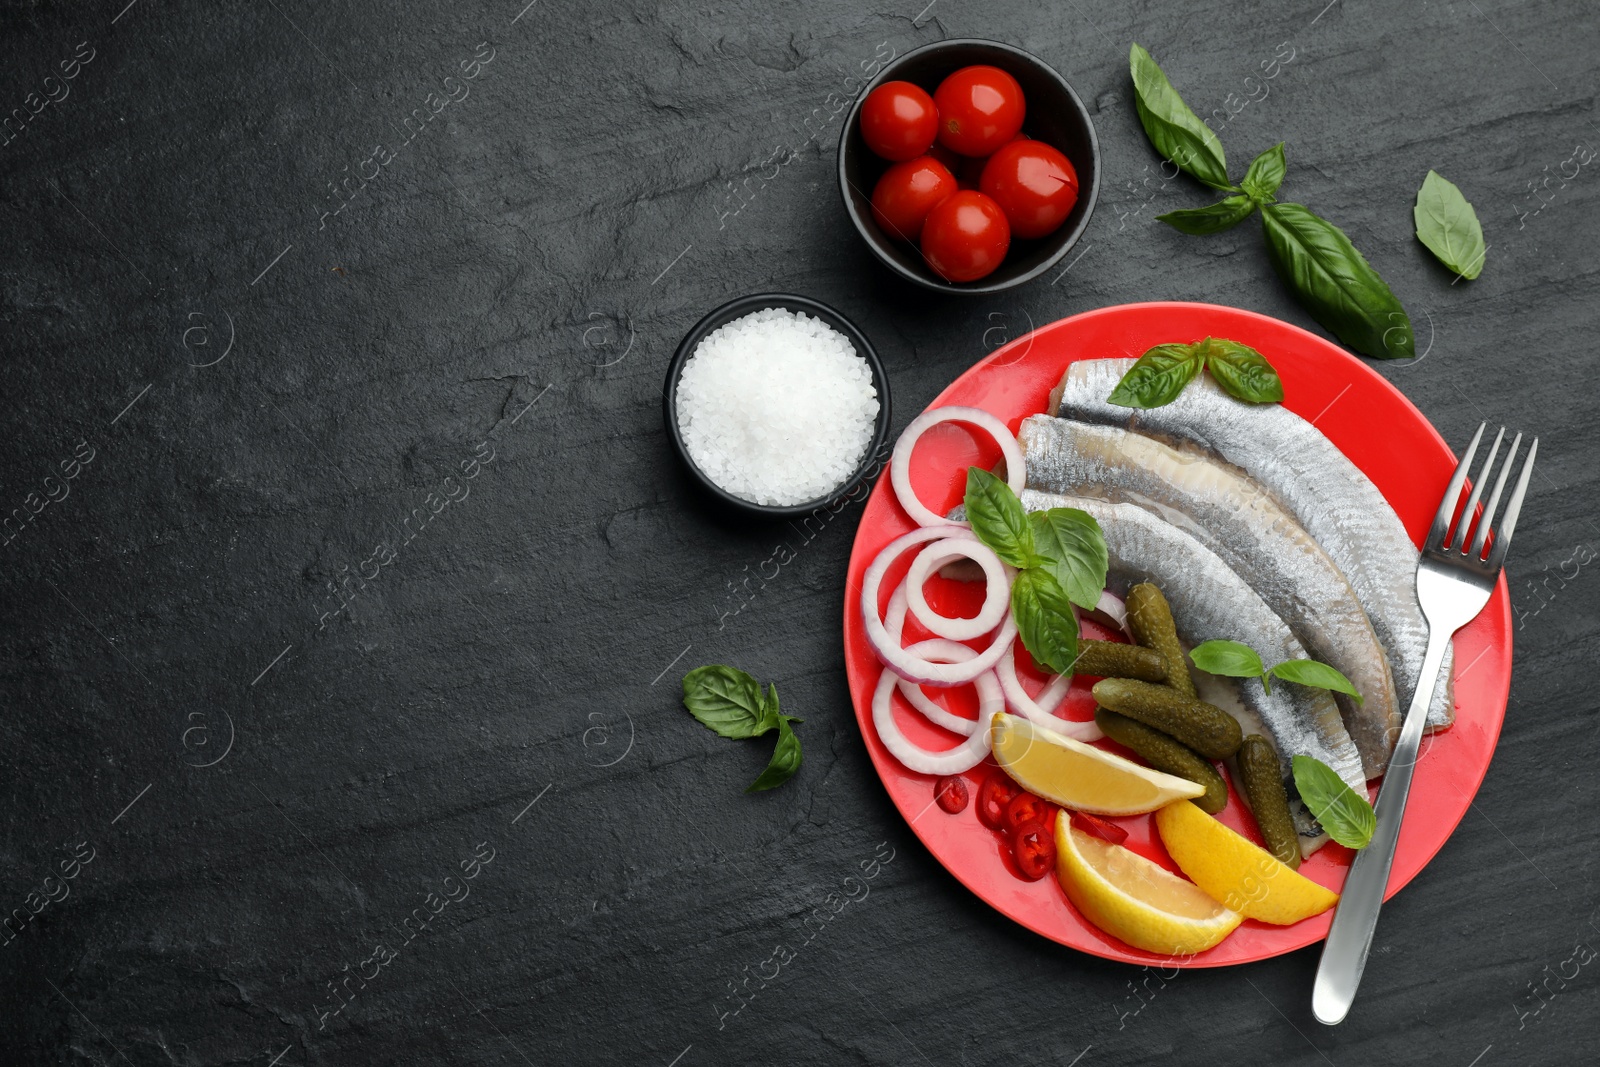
(1018,700)
(903,662)
(996,599)
(931,710)
(894,621)
(900,462)
(965,756)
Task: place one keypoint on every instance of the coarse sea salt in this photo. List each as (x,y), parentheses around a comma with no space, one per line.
(776,407)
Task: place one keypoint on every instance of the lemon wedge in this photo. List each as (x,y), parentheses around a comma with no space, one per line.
(1130,897)
(1080,776)
(1244,876)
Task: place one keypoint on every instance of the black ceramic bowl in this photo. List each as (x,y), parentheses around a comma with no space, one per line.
(870,463)
(1055,116)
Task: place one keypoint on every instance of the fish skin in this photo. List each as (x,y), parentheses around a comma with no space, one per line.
(1230,514)
(1335,502)
(1206,597)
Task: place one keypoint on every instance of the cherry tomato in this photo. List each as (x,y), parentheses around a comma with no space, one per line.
(898,121)
(1034,849)
(965,237)
(1098,827)
(1034,184)
(993,796)
(907,192)
(1026,809)
(980,109)
(951,793)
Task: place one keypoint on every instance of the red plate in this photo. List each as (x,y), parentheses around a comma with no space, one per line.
(1367,418)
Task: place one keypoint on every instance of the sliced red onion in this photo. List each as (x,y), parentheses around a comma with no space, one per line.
(900,463)
(965,756)
(894,621)
(1112,612)
(904,662)
(931,710)
(996,599)
(894,617)
(1041,710)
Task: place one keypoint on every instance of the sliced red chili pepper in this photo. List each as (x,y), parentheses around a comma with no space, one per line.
(1098,827)
(994,795)
(1026,809)
(1034,848)
(951,793)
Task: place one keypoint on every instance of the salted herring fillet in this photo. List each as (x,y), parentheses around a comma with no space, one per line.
(1335,502)
(1209,598)
(1233,516)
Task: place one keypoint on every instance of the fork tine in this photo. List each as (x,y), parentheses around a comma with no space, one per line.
(1494,499)
(1465,527)
(1447,507)
(1502,536)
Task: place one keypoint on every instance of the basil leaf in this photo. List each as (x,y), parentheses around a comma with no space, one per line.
(1449,227)
(1075,552)
(1228,658)
(1266,174)
(1323,269)
(1318,675)
(1242,371)
(1201,221)
(1344,813)
(729,701)
(1045,620)
(1174,130)
(997,518)
(785,757)
(1157,377)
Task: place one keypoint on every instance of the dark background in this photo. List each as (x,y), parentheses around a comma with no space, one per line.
(547,240)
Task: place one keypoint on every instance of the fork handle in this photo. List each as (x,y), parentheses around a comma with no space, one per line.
(1344,955)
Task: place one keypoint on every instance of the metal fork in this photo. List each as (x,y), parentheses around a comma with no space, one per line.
(1453,584)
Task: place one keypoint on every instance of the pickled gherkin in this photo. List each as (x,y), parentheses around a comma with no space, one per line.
(1261,778)
(1165,754)
(1206,728)
(1112,659)
(1150,619)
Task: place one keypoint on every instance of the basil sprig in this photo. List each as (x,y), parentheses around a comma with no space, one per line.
(1345,814)
(1234,660)
(1061,558)
(1314,258)
(1158,376)
(732,705)
(1449,227)
(1258,189)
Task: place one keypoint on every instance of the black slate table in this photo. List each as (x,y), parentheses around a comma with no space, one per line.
(352,577)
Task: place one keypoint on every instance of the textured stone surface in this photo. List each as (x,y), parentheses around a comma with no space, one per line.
(546,239)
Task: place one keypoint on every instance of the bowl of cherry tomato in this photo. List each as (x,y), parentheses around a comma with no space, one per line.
(969,166)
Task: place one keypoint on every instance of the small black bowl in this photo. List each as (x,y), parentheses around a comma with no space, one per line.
(871,461)
(1055,116)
